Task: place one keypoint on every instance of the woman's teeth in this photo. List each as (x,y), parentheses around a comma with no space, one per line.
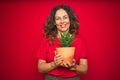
(63,26)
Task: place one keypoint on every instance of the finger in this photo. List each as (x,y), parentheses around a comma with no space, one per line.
(58,61)
(58,55)
(74,60)
(61,64)
(69,64)
(59,58)
(73,64)
(55,52)
(65,65)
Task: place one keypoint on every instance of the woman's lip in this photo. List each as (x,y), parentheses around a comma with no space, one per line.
(63,25)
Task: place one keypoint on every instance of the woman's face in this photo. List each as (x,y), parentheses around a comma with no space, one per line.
(62,20)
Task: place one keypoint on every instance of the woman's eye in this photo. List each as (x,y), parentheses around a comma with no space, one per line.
(57,18)
(65,17)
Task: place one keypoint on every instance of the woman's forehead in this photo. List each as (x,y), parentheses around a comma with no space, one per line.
(61,12)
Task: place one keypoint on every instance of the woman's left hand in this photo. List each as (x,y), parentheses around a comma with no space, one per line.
(69,65)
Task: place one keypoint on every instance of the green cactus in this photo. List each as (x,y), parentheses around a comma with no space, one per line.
(66,39)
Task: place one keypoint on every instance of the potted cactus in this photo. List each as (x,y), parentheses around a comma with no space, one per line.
(66,50)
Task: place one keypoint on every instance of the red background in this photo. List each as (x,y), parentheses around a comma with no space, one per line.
(21,23)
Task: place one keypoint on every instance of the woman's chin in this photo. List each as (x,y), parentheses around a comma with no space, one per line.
(64,30)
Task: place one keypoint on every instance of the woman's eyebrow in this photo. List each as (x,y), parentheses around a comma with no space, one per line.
(63,16)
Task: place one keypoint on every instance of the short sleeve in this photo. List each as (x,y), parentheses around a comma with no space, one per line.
(83,50)
(41,53)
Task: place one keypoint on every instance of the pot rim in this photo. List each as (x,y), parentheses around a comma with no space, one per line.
(64,47)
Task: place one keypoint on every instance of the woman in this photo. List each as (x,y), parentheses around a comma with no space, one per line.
(61,19)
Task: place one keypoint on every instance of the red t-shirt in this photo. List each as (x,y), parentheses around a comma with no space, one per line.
(46,52)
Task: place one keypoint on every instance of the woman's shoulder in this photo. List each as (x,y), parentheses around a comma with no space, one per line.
(43,38)
(79,38)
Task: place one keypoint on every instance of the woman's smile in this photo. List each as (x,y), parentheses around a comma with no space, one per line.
(62,20)
(63,26)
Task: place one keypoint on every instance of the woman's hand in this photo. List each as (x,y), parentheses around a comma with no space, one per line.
(69,65)
(58,59)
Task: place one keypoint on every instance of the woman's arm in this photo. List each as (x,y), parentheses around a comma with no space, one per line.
(44,67)
(82,67)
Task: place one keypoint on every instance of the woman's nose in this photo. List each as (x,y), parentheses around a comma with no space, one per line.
(62,20)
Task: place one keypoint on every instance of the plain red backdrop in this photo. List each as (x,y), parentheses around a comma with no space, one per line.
(21,23)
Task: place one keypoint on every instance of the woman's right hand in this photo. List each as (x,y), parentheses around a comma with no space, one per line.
(58,59)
